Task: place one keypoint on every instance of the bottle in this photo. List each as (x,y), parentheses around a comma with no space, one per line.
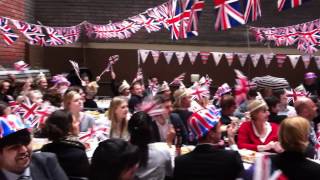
(178,143)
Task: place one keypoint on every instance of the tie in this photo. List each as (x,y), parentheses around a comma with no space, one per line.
(23,177)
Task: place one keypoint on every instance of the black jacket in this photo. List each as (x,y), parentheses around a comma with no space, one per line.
(71,156)
(134,101)
(295,166)
(208,162)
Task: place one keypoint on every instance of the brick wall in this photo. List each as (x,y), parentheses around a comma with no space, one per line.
(20,10)
(71,12)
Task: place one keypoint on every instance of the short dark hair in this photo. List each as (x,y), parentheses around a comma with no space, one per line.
(227,101)
(279,92)
(142,132)
(58,125)
(3,106)
(22,137)
(111,158)
(272,101)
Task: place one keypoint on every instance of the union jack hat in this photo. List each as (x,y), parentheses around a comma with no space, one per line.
(9,125)
(202,121)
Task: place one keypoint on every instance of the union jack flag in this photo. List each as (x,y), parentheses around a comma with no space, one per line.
(178,80)
(199,92)
(139,75)
(293,95)
(149,23)
(160,14)
(253,10)
(193,8)
(32,32)
(286,4)
(241,88)
(54,38)
(176,14)
(184,17)
(6,32)
(71,34)
(33,114)
(229,14)
(151,106)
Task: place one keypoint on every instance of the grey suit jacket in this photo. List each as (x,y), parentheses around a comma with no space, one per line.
(44,166)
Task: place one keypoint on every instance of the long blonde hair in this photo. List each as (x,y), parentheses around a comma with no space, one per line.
(114,104)
(67,98)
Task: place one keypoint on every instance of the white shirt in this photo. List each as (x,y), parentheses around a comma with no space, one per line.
(268,129)
(159,163)
(13,176)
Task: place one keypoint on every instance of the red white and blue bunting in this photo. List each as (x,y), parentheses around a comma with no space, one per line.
(305,36)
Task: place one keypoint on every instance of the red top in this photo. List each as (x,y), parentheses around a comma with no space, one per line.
(247,139)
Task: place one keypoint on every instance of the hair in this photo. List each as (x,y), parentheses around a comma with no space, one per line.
(301,104)
(272,101)
(141,134)
(22,137)
(3,81)
(178,95)
(252,92)
(293,134)
(111,158)
(134,83)
(77,89)
(114,104)
(279,92)
(58,125)
(53,97)
(254,113)
(67,98)
(3,107)
(227,101)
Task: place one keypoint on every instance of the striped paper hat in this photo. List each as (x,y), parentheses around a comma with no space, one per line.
(201,122)
(9,125)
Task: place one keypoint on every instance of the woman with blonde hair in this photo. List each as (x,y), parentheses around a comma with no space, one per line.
(73,102)
(118,115)
(292,163)
(258,134)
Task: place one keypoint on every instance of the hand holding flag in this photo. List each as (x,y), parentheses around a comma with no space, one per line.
(178,80)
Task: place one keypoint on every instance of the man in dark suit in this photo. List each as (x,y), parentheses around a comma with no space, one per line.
(208,160)
(16,159)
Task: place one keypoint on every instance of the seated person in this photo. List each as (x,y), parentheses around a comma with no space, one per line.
(292,163)
(17,160)
(209,160)
(114,159)
(273,105)
(73,102)
(155,156)
(62,130)
(258,134)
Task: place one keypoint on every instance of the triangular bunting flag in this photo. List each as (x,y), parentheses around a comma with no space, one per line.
(217,57)
(204,57)
(168,56)
(144,54)
(180,56)
(317,60)
(229,57)
(267,58)
(155,55)
(242,58)
(192,56)
(306,60)
(255,59)
(294,60)
(280,59)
